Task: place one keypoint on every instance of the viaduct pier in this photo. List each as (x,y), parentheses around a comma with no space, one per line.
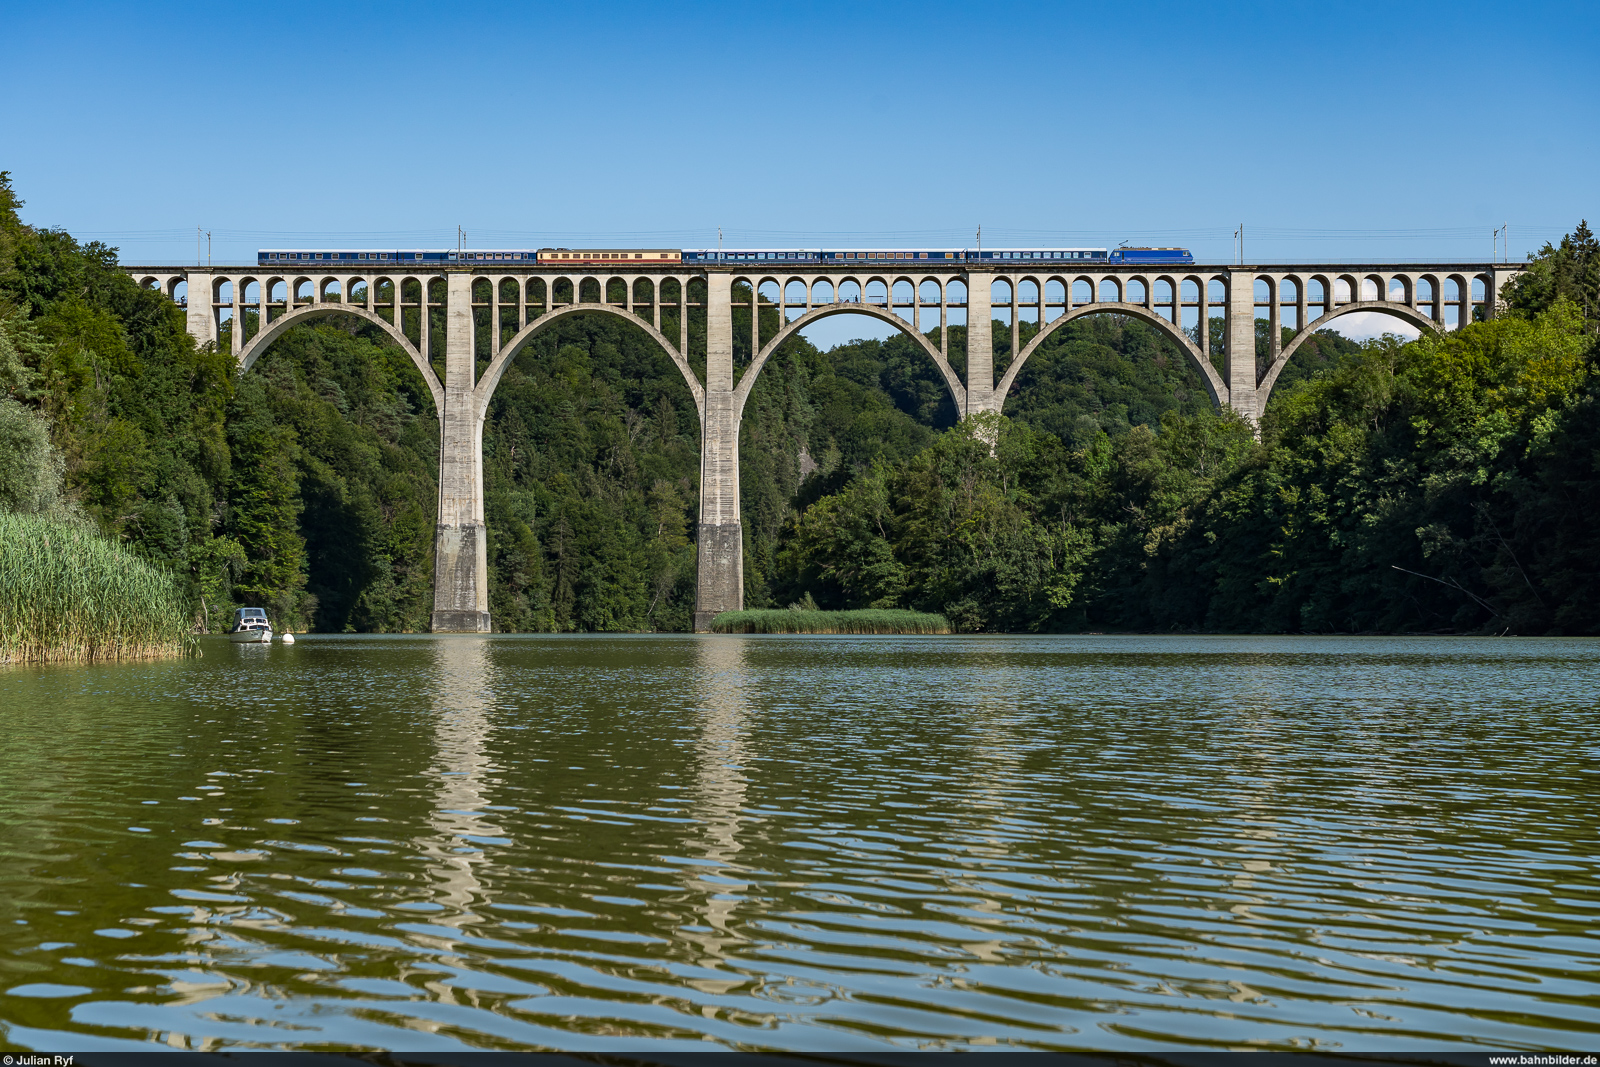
(515,301)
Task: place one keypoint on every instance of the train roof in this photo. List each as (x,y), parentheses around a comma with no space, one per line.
(726,251)
(438,251)
(904,248)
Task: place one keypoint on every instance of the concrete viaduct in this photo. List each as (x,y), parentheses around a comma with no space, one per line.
(526,299)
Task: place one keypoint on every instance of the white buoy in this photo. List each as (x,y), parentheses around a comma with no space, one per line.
(288,639)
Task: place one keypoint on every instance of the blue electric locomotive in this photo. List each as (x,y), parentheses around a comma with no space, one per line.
(1151,255)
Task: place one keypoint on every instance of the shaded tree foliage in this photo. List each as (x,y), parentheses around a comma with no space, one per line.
(591,464)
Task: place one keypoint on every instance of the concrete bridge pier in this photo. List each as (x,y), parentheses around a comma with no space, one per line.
(201,316)
(980,344)
(720,537)
(1241,351)
(461,549)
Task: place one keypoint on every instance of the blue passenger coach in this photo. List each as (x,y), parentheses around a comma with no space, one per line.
(835,257)
(365,256)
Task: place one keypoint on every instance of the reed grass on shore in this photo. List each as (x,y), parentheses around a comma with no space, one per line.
(68,594)
(793,621)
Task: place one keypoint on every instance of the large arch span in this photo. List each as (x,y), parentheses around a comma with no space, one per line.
(1213,381)
(260,342)
(1403,312)
(958,392)
(497,366)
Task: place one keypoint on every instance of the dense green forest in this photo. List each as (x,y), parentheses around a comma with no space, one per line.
(1441,485)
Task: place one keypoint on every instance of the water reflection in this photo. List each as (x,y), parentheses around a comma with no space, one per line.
(463,694)
(717,880)
(638,845)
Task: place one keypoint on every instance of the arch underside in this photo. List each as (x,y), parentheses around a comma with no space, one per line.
(270,333)
(497,366)
(1208,374)
(1403,312)
(958,391)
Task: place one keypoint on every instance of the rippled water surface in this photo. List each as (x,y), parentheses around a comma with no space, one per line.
(651,843)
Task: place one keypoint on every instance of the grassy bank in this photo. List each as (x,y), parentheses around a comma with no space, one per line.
(68,594)
(869,621)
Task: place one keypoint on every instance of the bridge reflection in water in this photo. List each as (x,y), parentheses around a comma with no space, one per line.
(464,777)
(716,880)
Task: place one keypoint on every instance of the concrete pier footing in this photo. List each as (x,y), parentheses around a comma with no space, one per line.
(461,579)
(719,582)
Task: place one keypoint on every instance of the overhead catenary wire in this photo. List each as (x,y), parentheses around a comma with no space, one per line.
(952,234)
(1273,243)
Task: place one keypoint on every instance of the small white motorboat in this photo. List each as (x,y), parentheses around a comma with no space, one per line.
(250,626)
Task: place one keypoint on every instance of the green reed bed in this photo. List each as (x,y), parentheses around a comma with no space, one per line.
(794,621)
(67,594)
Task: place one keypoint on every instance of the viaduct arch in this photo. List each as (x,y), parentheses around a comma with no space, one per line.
(1402,312)
(1208,373)
(258,344)
(490,379)
(952,381)
(1411,293)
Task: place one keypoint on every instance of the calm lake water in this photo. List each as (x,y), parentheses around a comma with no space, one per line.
(645,844)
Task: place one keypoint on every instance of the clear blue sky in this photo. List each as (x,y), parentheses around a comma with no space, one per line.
(1329,130)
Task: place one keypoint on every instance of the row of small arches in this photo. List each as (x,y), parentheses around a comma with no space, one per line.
(327,289)
(307,290)
(1159,293)
(1437,292)
(1133,289)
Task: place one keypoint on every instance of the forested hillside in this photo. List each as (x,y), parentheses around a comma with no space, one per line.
(1445,485)
(1440,485)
